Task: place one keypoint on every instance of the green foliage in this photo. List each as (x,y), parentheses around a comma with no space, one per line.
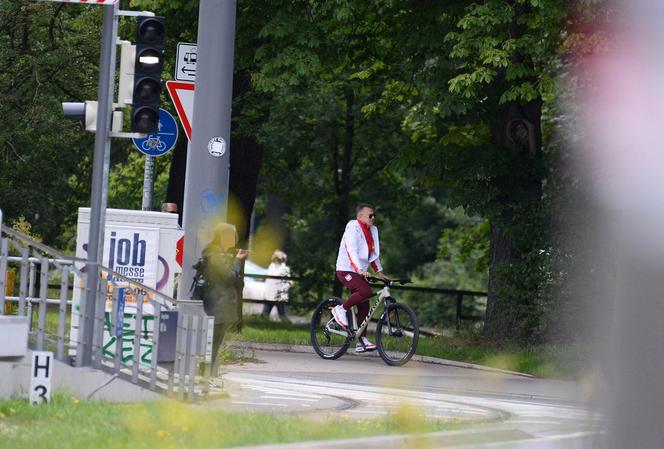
(398,103)
(48,53)
(125,183)
(467,246)
(23,226)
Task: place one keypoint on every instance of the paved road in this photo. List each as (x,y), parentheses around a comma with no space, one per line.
(514,411)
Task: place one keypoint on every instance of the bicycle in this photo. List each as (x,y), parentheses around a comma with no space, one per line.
(397,331)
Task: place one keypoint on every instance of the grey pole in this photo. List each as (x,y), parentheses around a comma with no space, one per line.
(206,179)
(148,183)
(97,200)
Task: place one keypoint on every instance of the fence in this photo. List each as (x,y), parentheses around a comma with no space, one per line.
(464,304)
(130,319)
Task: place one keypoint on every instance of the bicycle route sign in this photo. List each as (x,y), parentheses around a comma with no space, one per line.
(161,142)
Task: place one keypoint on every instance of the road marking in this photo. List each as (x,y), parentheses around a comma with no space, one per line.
(282,392)
(366,412)
(290,398)
(462,411)
(528,421)
(258,403)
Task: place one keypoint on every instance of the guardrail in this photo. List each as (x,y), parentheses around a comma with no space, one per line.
(126,341)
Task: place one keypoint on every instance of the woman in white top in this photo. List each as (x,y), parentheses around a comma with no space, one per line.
(276,290)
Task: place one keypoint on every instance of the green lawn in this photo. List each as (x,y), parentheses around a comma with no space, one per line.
(543,361)
(69,423)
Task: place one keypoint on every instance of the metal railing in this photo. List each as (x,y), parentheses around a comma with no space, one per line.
(126,342)
(461,300)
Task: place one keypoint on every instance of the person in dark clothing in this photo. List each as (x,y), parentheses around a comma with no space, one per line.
(223,283)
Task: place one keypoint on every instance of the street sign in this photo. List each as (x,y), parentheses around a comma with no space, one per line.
(89,2)
(160,143)
(40,377)
(182,94)
(185,62)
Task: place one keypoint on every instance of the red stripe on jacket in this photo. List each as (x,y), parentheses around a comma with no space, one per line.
(351,259)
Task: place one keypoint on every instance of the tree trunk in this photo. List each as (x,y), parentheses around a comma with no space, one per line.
(343,179)
(518,132)
(517,136)
(175,187)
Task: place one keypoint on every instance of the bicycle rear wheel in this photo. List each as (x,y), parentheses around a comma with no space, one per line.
(327,344)
(397,334)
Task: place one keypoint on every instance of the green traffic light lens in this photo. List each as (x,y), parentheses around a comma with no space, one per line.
(146,120)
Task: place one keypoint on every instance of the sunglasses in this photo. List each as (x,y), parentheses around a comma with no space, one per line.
(370,215)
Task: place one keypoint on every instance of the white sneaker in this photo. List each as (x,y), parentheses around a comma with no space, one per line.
(368,346)
(339,314)
(359,347)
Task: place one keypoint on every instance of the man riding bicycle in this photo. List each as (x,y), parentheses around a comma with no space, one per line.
(359,249)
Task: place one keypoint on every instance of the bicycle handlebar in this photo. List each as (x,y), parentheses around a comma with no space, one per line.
(390,281)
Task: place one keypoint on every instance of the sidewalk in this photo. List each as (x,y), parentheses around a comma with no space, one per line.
(416,357)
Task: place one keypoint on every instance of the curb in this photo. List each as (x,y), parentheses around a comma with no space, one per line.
(305,349)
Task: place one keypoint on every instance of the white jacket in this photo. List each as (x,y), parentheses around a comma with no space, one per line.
(354,250)
(277,289)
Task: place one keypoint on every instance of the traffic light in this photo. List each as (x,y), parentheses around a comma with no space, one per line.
(148,63)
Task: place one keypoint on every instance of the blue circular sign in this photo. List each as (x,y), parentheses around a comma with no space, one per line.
(160,143)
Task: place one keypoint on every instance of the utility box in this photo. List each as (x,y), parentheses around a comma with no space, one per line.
(143,246)
(13,336)
(168,327)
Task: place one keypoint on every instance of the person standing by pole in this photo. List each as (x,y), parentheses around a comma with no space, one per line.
(221,268)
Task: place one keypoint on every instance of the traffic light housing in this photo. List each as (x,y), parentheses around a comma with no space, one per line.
(126,76)
(148,64)
(86,114)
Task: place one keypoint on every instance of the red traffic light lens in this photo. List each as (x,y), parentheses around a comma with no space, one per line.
(151,31)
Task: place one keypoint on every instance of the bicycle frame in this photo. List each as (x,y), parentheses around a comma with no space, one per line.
(383,298)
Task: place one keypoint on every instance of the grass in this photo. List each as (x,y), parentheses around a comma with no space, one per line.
(556,361)
(69,423)
(542,361)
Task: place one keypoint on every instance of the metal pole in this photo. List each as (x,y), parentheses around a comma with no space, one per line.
(148,183)
(99,179)
(206,179)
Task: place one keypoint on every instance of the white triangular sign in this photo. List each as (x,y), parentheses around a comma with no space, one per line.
(182,94)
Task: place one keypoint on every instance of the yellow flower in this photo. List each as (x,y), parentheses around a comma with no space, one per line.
(184,429)
(161,433)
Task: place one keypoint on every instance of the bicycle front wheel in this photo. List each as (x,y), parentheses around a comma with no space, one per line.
(397,333)
(328,339)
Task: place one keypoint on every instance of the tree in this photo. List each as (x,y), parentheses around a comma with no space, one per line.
(480,126)
(49,54)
